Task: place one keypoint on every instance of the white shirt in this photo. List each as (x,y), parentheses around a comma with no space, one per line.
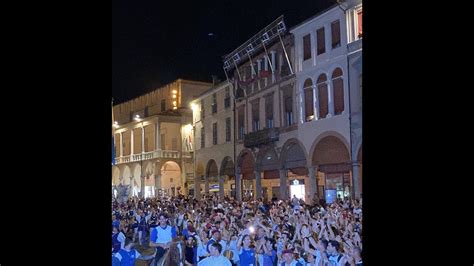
(233,246)
(215,261)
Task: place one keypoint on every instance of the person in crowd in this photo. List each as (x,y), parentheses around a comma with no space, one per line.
(127,255)
(215,258)
(162,236)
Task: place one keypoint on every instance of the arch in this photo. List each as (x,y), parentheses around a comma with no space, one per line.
(126,173)
(323,135)
(294,157)
(148,172)
(227,167)
(199,169)
(211,169)
(321,78)
(308,83)
(136,170)
(115,175)
(337,73)
(268,162)
(171,177)
(330,149)
(338,90)
(246,164)
(322,96)
(148,168)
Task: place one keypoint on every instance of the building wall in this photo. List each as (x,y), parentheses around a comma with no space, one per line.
(223,148)
(185,91)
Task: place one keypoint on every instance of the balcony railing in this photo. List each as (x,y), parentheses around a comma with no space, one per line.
(261,137)
(165,154)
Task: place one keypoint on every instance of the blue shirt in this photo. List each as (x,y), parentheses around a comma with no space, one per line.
(247,257)
(268,260)
(116,244)
(125,258)
(116,223)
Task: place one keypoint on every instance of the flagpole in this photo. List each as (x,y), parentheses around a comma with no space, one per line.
(268,58)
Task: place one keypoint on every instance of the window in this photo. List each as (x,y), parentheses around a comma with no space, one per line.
(227,129)
(174,144)
(214,103)
(308,99)
(269,111)
(263,62)
(163,105)
(163,141)
(322,96)
(214,133)
(203,142)
(202,110)
(338,88)
(306,47)
(256,115)
(288,100)
(227,102)
(359,23)
(227,98)
(285,69)
(240,121)
(320,41)
(336,34)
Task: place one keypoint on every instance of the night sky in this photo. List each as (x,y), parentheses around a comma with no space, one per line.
(156,42)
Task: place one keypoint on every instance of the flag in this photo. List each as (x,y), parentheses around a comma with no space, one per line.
(264,73)
(113,133)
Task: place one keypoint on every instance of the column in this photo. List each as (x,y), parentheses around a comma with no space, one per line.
(273,66)
(238,185)
(258,184)
(313,185)
(330,98)
(142,188)
(157,171)
(206,184)
(197,187)
(131,144)
(315,102)
(221,187)
(121,144)
(265,67)
(355,180)
(283,185)
(157,136)
(143,140)
(131,186)
(259,68)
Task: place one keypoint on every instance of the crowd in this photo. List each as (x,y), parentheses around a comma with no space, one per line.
(216,231)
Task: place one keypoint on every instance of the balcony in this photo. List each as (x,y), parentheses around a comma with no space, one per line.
(261,137)
(354,46)
(158,154)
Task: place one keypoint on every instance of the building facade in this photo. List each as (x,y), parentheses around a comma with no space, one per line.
(154,140)
(298,108)
(286,122)
(213,122)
